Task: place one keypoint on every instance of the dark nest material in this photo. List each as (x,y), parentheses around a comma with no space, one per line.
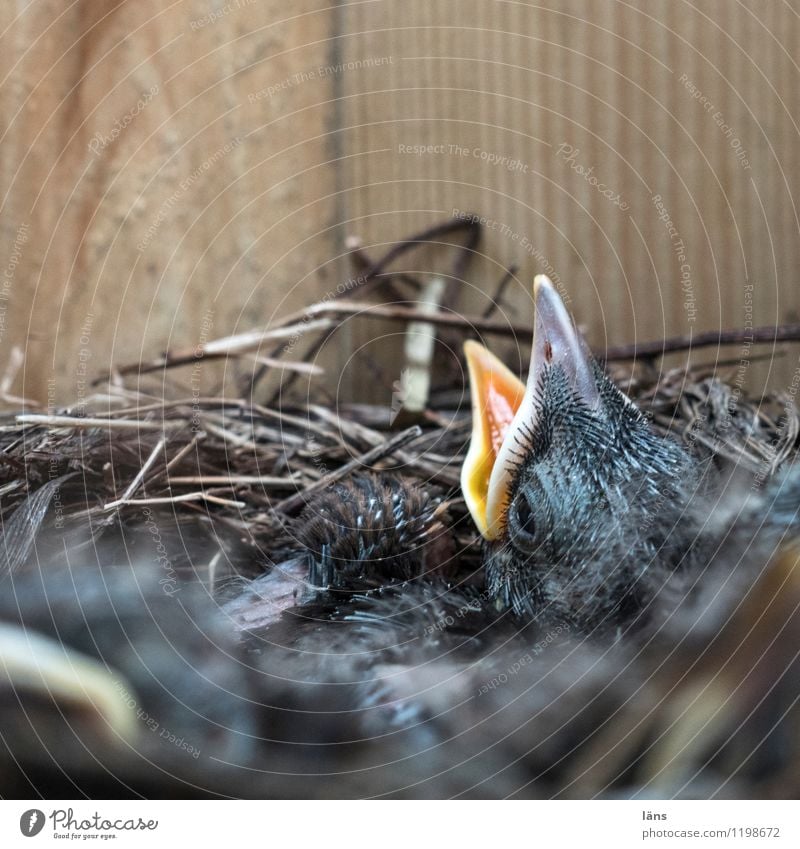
(207,490)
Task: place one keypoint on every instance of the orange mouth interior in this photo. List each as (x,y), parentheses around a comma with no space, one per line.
(496,396)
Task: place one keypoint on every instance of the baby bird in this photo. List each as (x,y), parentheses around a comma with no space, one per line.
(583,506)
(586,511)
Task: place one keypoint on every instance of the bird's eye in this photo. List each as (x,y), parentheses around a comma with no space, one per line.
(525,524)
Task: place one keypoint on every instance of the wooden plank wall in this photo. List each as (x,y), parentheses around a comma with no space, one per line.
(172,184)
(513,103)
(174,171)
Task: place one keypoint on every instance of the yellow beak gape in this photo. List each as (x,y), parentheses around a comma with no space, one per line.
(496,396)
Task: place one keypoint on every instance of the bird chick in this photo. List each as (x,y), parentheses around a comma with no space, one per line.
(367,532)
(581,503)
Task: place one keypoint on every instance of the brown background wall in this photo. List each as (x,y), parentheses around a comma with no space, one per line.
(275,130)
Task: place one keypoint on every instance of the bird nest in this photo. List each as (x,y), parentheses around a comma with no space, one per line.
(221,477)
(208,488)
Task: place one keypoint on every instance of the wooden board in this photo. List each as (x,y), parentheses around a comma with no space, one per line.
(176,172)
(171,173)
(644,154)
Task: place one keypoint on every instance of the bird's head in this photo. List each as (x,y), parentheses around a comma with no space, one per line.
(578,499)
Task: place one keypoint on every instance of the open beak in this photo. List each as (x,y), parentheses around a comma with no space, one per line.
(496,395)
(505,413)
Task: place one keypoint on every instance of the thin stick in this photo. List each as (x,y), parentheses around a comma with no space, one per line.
(228,346)
(362,262)
(289,505)
(510,274)
(182,453)
(756,336)
(308,426)
(231,480)
(232,438)
(286,365)
(176,499)
(469,223)
(318,316)
(134,484)
(83,421)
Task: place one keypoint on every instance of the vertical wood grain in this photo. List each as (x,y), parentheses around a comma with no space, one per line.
(520,79)
(276,131)
(171,164)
